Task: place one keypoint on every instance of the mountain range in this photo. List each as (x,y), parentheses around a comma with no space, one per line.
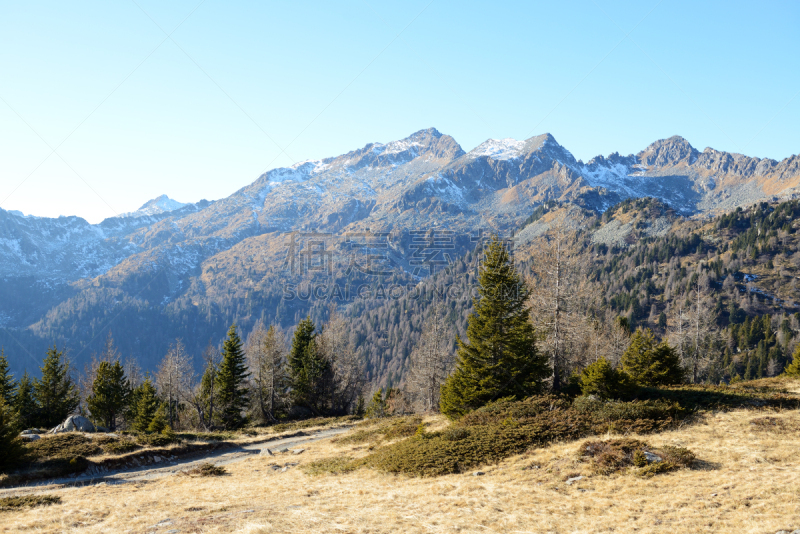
(173,270)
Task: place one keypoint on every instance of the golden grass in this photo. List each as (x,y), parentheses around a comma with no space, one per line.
(747,480)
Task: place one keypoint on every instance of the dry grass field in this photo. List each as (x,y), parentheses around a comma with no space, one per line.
(746,480)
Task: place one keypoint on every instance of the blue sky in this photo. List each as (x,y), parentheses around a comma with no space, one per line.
(240,87)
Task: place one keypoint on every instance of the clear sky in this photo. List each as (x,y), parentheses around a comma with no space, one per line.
(196,99)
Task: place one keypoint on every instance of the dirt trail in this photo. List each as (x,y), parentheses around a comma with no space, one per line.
(173,465)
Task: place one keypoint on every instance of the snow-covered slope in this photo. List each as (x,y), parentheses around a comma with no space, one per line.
(157,206)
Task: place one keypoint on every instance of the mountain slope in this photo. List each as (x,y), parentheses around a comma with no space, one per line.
(172,270)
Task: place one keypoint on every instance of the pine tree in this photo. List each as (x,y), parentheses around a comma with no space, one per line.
(793,369)
(311,372)
(159,421)
(10,443)
(231,377)
(500,358)
(55,393)
(266,353)
(601,379)
(145,407)
(650,364)
(7,384)
(377,406)
(110,394)
(25,403)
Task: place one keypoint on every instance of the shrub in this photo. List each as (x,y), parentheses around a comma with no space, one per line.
(60,446)
(507,427)
(116,445)
(793,369)
(611,456)
(649,364)
(10,443)
(8,504)
(206,469)
(601,379)
(391,429)
(337,465)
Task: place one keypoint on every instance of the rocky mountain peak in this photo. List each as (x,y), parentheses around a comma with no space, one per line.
(669,151)
(160,204)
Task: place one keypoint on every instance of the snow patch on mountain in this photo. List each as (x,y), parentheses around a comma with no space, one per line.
(161,204)
(499,149)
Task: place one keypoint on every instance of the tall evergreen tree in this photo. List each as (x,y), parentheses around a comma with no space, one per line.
(55,393)
(499,358)
(144,406)
(10,443)
(7,384)
(311,372)
(231,377)
(110,394)
(793,369)
(25,403)
(650,364)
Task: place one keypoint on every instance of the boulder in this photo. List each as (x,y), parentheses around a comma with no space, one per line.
(298,451)
(30,437)
(652,458)
(74,423)
(571,481)
(266,452)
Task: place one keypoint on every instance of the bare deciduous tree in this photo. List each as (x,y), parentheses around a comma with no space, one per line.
(560,298)
(694,333)
(348,370)
(266,354)
(175,378)
(431,361)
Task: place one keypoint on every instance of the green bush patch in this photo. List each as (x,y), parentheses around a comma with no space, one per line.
(612,456)
(67,445)
(506,427)
(10,504)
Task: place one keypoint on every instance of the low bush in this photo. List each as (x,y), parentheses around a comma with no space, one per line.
(9,504)
(612,456)
(387,429)
(701,397)
(506,427)
(206,469)
(160,439)
(335,466)
(59,446)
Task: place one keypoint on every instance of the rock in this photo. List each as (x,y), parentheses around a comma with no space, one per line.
(298,451)
(283,450)
(285,469)
(267,452)
(30,437)
(571,481)
(74,423)
(652,458)
(478,473)
(156,459)
(275,467)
